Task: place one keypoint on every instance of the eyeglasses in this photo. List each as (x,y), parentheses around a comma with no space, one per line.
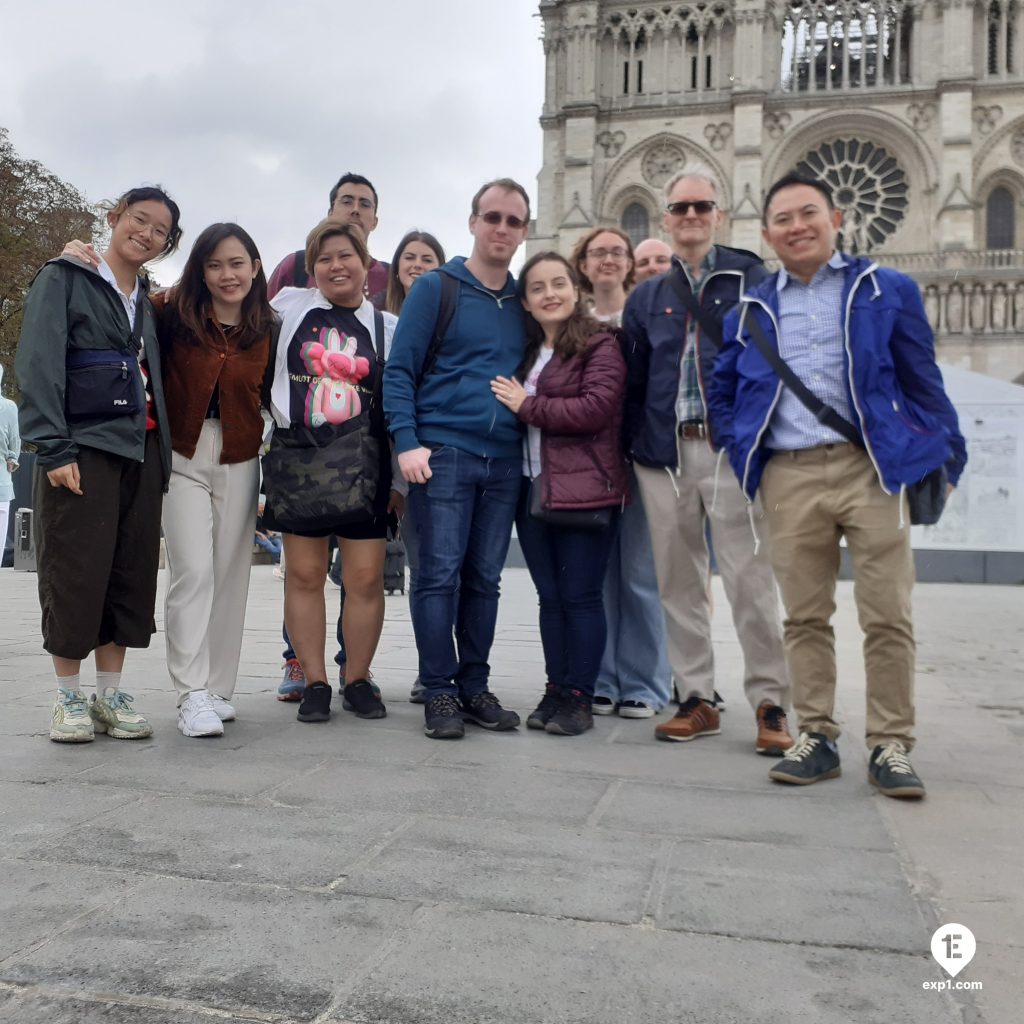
(618,253)
(494,218)
(700,206)
(139,223)
(347,200)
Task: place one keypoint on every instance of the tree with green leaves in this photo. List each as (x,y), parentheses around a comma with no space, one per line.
(38,213)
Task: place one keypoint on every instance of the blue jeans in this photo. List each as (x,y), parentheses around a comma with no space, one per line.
(463,521)
(635,664)
(568,569)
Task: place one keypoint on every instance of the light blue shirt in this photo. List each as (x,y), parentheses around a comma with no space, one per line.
(811,341)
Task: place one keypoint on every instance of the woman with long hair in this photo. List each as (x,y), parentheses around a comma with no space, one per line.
(416,254)
(325,399)
(635,678)
(571,401)
(90,373)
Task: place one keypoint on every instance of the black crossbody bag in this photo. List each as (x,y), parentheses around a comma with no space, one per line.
(926,498)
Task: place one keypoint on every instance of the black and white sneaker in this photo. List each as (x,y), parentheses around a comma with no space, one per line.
(541,714)
(316,703)
(812,758)
(574,715)
(485,709)
(362,698)
(891,771)
(604,706)
(442,718)
(635,709)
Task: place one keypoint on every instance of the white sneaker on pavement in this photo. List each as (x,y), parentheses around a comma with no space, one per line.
(70,721)
(224,708)
(197,716)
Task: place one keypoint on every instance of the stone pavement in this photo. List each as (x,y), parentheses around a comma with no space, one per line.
(359,872)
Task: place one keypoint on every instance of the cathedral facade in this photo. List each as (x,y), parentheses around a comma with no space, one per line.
(912,110)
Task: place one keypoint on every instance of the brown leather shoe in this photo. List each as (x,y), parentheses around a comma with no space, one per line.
(694,718)
(773,736)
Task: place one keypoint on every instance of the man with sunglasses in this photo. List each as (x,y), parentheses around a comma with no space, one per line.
(460,451)
(673,326)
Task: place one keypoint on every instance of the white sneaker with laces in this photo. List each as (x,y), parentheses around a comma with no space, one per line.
(70,721)
(223,707)
(197,716)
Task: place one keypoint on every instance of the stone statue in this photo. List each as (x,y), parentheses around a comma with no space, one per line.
(977,307)
(931,306)
(955,309)
(999,309)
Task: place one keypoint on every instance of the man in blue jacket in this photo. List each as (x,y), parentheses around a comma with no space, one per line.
(669,356)
(857,337)
(460,450)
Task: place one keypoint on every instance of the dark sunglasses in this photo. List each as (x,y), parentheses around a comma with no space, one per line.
(493,217)
(701,206)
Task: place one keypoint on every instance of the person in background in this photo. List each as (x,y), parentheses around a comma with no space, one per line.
(415,255)
(103,459)
(571,403)
(653,257)
(10,452)
(634,680)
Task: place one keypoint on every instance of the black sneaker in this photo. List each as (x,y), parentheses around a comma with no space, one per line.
(891,771)
(486,710)
(573,715)
(604,706)
(541,714)
(341,687)
(363,698)
(316,703)
(442,718)
(812,758)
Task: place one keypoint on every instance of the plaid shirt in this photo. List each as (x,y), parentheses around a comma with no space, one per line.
(689,404)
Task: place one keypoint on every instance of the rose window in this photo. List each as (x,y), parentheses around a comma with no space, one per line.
(867,184)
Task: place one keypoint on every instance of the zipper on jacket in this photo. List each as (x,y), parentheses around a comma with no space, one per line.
(748,301)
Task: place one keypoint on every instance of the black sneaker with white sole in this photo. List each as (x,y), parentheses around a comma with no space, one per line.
(541,714)
(891,772)
(604,706)
(362,698)
(442,718)
(573,716)
(485,709)
(316,703)
(812,758)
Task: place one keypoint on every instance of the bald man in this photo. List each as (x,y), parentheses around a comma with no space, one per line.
(651,258)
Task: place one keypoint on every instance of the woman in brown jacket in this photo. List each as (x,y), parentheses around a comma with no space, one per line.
(571,402)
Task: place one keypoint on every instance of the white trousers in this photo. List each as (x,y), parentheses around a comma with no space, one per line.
(209,521)
(5,511)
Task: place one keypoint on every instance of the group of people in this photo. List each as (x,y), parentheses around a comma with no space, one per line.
(620,426)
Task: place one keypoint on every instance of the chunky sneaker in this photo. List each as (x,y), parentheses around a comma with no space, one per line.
(541,714)
(224,708)
(603,706)
(112,713)
(316,703)
(70,721)
(198,716)
(442,718)
(694,718)
(363,699)
(773,736)
(573,715)
(635,709)
(294,683)
(418,694)
(890,770)
(485,709)
(812,758)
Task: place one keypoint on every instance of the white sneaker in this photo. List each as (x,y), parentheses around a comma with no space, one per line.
(198,717)
(223,707)
(70,721)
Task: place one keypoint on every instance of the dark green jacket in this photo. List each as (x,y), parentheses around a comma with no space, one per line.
(69,306)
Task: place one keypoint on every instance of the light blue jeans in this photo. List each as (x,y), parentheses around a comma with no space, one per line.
(635,663)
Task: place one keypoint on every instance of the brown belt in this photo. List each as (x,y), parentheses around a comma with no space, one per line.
(692,430)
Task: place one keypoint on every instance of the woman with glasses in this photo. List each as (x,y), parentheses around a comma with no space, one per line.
(571,402)
(89,368)
(635,680)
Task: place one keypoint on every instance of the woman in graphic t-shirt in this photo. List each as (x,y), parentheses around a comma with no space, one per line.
(327,374)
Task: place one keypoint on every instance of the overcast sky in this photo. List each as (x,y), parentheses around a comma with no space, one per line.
(249,111)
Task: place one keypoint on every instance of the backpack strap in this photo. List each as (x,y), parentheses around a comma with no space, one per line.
(445,314)
(268,373)
(300,279)
(378,336)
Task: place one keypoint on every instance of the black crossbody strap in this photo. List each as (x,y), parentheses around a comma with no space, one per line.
(681,286)
(822,412)
(378,335)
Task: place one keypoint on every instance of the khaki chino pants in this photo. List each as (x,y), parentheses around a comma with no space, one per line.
(811,499)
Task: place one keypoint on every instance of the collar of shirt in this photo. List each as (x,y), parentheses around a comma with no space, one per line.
(706,266)
(837,262)
(128,301)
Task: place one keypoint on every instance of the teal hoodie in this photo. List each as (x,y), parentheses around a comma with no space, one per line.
(453,405)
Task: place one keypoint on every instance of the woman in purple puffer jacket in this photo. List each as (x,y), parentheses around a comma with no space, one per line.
(571,402)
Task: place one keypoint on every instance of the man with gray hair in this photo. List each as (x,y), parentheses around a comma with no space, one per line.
(673,325)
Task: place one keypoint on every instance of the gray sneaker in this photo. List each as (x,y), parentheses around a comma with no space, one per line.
(69,720)
(113,714)
(418,694)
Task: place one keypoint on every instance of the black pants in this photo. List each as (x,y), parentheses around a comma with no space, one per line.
(97,553)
